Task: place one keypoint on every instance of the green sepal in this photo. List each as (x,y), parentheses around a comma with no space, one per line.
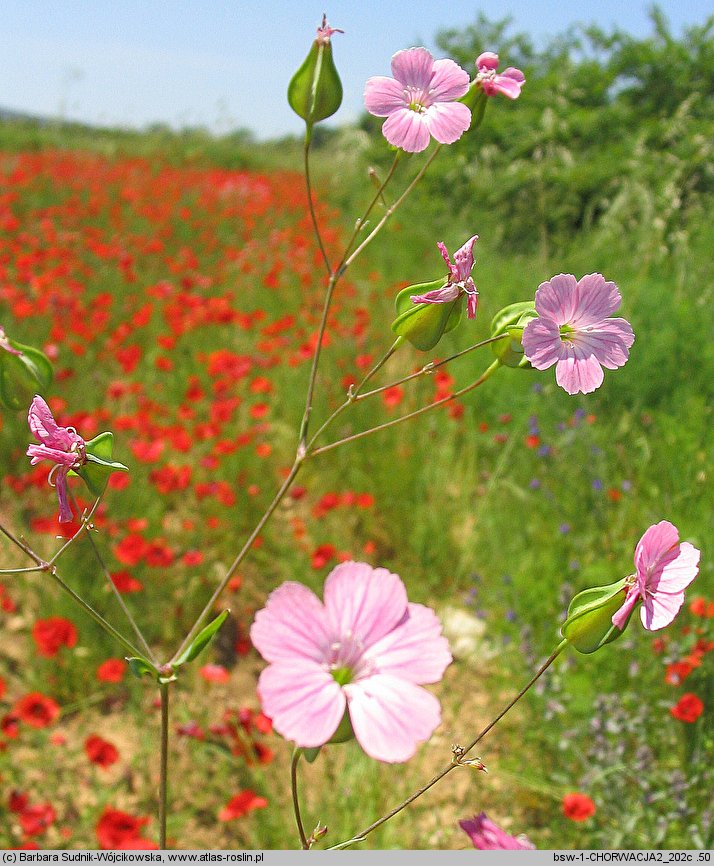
(589,625)
(512,320)
(201,641)
(475,98)
(344,731)
(425,324)
(315,91)
(310,755)
(99,466)
(140,666)
(22,375)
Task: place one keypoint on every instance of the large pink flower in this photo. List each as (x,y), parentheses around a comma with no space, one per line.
(458,282)
(62,445)
(509,82)
(574,333)
(420,100)
(366,650)
(665,568)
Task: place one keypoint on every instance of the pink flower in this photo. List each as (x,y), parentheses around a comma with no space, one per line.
(509,83)
(62,445)
(664,569)
(420,100)
(487,836)
(366,650)
(459,280)
(573,332)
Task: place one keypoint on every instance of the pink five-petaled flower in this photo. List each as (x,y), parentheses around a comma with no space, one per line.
(509,82)
(459,280)
(62,445)
(420,100)
(488,836)
(574,333)
(366,650)
(664,569)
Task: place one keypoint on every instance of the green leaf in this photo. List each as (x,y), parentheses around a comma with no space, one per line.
(201,641)
(425,324)
(140,666)
(588,625)
(99,466)
(23,375)
(315,91)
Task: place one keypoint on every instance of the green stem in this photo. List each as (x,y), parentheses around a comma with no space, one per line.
(313,215)
(85,522)
(164,774)
(435,405)
(358,837)
(296,800)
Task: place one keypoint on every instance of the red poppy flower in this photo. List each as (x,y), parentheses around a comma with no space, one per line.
(125,582)
(215,674)
(52,634)
(242,804)
(36,710)
(111,671)
(688,708)
(115,828)
(101,752)
(677,672)
(322,555)
(35,820)
(578,807)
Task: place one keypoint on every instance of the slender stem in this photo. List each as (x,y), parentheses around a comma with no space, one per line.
(84,525)
(313,215)
(482,378)
(118,596)
(390,210)
(296,800)
(164,774)
(240,557)
(22,570)
(358,837)
(18,542)
(429,368)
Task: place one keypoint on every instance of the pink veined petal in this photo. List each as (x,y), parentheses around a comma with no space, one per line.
(660,609)
(541,343)
(415,650)
(658,546)
(382,96)
(413,67)
(449,292)
(391,716)
(597,299)
(577,371)
(619,618)
(471,305)
(42,423)
(507,86)
(43,452)
(464,259)
(292,623)
(305,703)
(607,344)
(60,482)
(557,298)
(449,81)
(515,74)
(407,129)
(364,602)
(678,574)
(447,122)
(487,60)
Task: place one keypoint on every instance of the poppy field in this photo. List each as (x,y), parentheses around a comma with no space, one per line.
(178,298)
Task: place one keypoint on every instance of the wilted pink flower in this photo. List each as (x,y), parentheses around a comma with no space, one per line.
(420,100)
(62,445)
(664,569)
(572,331)
(366,650)
(458,282)
(509,82)
(488,836)
(324,32)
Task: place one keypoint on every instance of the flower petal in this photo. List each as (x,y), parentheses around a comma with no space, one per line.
(305,703)
(658,547)
(447,122)
(382,96)
(506,85)
(415,650)
(597,298)
(607,342)
(292,623)
(407,129)
(464,259)
(449,292)
(557,298)
(620,616)
(413,67)
(659,610)
(578,370)
(364,602)
(391,716)
(449,81)
(678,574)
(541,343)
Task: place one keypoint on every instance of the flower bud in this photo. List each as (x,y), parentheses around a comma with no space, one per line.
(315,91)
(23,371)
(99,465)
(512,320)
(589,622)
(425,324)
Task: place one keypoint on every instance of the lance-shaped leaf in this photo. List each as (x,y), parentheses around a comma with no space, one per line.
(589,622)
(512,320)
(24,370)
(99,466)
(201,641)
(425,324)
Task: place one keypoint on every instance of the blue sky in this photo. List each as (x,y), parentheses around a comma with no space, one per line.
(227,64)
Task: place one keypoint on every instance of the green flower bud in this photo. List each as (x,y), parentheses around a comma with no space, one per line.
(512,320)
(589,622)
(24,370)
(425,324)
(99,464)
(315,91)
